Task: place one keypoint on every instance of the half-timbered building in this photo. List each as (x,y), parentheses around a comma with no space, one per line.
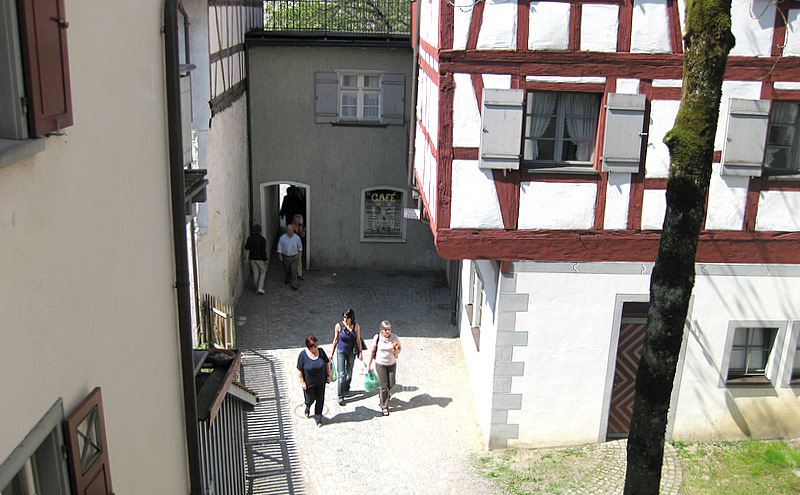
(540,161)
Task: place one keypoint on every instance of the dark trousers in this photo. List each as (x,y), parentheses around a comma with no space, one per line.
(344,366)
(290,270)
(386,375)
(315,394)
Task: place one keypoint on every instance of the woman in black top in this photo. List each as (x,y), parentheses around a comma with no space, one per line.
(314,372)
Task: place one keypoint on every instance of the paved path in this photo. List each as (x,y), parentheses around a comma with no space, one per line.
(432,431)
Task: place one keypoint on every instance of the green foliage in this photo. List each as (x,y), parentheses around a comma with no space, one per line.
(339,16)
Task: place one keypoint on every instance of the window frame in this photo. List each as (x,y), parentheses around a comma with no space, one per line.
(775,172)
(361,90)
(45,440)
(773,359)
(558,164)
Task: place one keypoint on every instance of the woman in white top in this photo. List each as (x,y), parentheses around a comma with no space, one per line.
(385,349)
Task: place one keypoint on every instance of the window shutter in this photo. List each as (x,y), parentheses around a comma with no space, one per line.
(393,92)
(745,137)
(326,97)
(87,447)
(501,128)
(44,42)
(623,133)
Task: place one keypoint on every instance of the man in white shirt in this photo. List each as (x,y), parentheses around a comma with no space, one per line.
(290,247)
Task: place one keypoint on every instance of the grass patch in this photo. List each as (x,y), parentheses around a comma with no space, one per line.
(733,468)
(538,471)
(709,468)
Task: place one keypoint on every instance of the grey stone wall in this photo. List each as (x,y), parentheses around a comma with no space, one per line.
(336,161)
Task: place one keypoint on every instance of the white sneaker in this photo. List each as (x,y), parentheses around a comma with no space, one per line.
(261,291)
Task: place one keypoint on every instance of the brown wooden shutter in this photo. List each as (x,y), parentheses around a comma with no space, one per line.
(87,447)
(44,40)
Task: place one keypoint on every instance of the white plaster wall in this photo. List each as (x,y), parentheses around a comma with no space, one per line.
(569,358)
(553,205)
(480,364)
(462,16)
(667,83)
(650,27)
(568,79)
(466,114)
(566,359)
(654,207)
(662,119)
(221,268)
(749,90)
(499,26)
(548,26)
(627,86)
(496,81)
(752,24)
(778,210)
(727,198)
(792,39)
(618,196)
(428,105)
(706,409)
(474,203)
(426,171)
(429,21)
(599,26)
(87,271)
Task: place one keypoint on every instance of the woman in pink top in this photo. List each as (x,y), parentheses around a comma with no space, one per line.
(385,349)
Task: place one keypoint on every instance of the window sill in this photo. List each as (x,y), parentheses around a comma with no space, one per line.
(359,123)
(779,174)
(560,169)
(749,381)
(14,150)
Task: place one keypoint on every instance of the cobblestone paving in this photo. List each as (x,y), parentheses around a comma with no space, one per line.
(608,478)
(424,445)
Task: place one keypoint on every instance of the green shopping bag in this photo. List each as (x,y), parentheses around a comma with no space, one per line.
(371,381)
(334,376)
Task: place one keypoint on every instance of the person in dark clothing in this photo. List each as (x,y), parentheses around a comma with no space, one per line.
(256,253)
(347,346)
(292,205)
(314,371)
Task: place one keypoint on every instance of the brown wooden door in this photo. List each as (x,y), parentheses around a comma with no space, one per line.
(629,352)
(85,430)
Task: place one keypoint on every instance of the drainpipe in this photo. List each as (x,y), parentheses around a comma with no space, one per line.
(174,130)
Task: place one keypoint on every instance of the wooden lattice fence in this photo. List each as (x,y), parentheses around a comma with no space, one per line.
(217,327)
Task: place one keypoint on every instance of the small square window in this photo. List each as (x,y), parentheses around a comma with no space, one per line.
(750,353)
(560,128)
(360,97)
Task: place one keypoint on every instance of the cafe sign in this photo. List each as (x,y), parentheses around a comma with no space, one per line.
(383,213)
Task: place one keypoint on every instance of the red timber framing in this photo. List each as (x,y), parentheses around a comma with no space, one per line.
(620,245)
(634,245)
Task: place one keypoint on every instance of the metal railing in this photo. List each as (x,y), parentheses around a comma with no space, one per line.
(381,17)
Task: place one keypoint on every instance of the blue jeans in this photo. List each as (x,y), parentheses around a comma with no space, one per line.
(344,367)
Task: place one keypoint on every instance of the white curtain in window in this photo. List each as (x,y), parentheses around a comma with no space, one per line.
(541,108)
(577,107)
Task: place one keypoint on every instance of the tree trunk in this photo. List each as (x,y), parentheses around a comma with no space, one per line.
(691,145)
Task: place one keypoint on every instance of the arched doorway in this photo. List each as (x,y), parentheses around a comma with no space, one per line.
(271,195)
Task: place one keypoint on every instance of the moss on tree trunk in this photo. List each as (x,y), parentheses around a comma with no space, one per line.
(691,145)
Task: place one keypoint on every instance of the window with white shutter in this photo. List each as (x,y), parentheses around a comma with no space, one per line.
(745,137)
(356,97)
(624,131)
(501,124)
